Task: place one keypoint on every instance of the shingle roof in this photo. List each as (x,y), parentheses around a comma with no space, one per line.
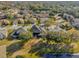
(36,29)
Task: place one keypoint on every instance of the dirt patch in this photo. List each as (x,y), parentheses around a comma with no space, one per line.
(3,51)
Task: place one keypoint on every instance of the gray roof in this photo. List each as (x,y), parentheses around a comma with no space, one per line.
(17,31)
(75,23)
(20,30)
(36,29)
(67,16)
(2,36)
(76,20)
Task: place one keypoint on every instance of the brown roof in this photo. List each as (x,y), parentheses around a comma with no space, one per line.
(42,15)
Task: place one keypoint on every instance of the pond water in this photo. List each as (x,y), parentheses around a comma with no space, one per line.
(65,55)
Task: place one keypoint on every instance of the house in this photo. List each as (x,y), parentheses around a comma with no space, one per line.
(68,17)
(3,34)
(23,11)
(75,23)
(36,30)
(12,11)
(4,22)
(42,25)
(32,20)
(41,15)
(15,34)
(15,26)
(18,21)
(2,15)
(43,10)
(18,16)
(55,28)
(43,20)
(57,17)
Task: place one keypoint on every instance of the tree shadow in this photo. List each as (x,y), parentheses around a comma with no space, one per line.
(14,47)
(57,50)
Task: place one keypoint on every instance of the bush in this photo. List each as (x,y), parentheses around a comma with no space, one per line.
(20,21)
(55,49)
(66,27)
(19,56)
(10,16)
(25,36)
(54,37)
(58,37)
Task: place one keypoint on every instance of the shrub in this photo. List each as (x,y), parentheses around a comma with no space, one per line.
(58,37)
(55,49)
(25,36)
(10,16)
(66,27)
(19,56)
(54,37)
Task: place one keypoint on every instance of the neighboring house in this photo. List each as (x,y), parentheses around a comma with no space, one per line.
(12,11)
(42,25)
(43,28)
(75,23)
(60,21)
(4,22)
(18,16)
(15,26)
(15,34)
(43,10)
(3,34)
(36,30)
(28,27)
(32,20)
(23,11)
(68,17)
(55,28)
(2,16)
(42,15)
(57,17)
(18,21)
(42,20)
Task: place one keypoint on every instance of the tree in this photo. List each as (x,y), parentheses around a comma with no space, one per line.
(25,36)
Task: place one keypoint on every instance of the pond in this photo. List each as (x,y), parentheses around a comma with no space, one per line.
(63,55)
